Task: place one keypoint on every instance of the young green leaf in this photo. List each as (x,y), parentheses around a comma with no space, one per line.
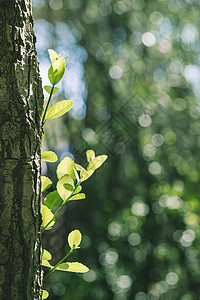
(90,154)
(58,109)
(53,55)
(73,267)
(66,166)
(49,156)
(57,69)
(45,183)
(86,174)
(77,190)
(45,294)
(49,88)
(52,200)
(78,197)
(74,239)
(78,167)
(64,194)
(96,162)
(45,263)
(46,255)
(47,216)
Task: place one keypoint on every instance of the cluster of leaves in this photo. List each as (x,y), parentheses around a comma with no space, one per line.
(150,119)
(70,176)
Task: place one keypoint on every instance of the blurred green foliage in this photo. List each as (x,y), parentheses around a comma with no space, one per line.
(140,222)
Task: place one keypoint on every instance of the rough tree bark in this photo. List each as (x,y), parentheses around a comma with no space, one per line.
(21,102)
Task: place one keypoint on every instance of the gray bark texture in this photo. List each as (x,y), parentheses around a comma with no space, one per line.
(21,101)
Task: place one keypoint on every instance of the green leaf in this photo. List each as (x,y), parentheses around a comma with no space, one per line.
(90,155)
(46,255)
(45,263)
(53,55)
(49,156)
(97,162)
(68,187)
(45,183)
(74,239)
(59,109)
(64,194)
(52,200)
(73,267)
(78,167)
(66,166)
(57,69)
(49,88)
(86,174)
(78,197)
(47,215)
(77,190)
(45,294)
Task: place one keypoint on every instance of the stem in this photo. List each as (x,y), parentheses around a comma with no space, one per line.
(46,108)
(54,268)
(64,203)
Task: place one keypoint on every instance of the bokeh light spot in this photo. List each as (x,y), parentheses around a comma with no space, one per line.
(116,72)
(145,120)
(155,168)
(156,18)
(124,282)
(134,239)
(90,276)
(140,209)
(148,39)
(189,34)
(171,278)
(157,140)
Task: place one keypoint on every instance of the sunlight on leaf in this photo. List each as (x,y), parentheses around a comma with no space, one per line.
(49,156)
(90,155)
(56,71)
(86,174)
(97,162)
(45,263)
(74,239)
(59,109)
(66,166)
(47,215)
(46,255)
(73,267)
(45,183)
(66,179)
(78,197)
(53,55)
(45,294)
(78,167)
(77,190)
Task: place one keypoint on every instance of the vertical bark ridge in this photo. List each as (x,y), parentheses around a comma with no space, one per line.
(21,101)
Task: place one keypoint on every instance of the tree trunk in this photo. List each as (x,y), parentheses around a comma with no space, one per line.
(21,101)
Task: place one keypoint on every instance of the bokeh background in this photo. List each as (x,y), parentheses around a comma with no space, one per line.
(134,76)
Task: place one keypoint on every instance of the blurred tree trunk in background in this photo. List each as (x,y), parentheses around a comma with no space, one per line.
(21,102)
